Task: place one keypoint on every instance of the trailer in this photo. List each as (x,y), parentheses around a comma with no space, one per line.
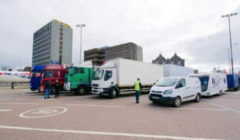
(171,70)
(213,83)
(233,82)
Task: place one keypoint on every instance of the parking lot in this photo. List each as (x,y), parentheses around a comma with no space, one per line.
(26,115)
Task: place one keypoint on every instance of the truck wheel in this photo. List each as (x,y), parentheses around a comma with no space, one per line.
(198,98)
(177,102)
(81,90)
(39,90)
(112,93)
(220,93)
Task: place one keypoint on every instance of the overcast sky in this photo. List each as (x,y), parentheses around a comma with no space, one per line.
(193,29)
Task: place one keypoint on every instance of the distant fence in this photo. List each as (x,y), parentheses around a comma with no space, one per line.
(15,84)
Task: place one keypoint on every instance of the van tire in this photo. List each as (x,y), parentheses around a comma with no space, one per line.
(81,90)
(177,102)
(198,98)
(112,93)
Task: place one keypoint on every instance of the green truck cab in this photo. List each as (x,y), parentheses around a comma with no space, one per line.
(79,79)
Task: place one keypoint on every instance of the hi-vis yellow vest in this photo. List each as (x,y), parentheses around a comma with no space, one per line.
(137,86)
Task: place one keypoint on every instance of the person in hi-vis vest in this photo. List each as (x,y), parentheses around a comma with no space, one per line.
(137,86)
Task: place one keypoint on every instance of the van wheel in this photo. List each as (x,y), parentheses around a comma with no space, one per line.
(220,93)
(81,90)
(177,102)
(112,93)
(198,98)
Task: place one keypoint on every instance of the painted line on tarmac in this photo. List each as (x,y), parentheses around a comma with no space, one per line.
(197,109)
(31,99)
(86,105)
(5,110)
(224,107)
(102,133)
(5,98)
(19,103)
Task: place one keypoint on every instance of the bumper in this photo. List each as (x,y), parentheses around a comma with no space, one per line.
(161,99)
(99,91)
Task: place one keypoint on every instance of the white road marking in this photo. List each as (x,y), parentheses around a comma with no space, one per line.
(5,98)
(31,99)
(224,107)
(197,109)
(86,105)
(103,133)
(5,110)
(43,112)
(19,103)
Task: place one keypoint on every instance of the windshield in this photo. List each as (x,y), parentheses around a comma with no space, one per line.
(49,73)
(98,74)
(166,82)
(204,82)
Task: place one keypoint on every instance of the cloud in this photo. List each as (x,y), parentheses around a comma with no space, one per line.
(193,29)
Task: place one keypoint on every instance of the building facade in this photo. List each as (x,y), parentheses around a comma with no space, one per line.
(176,60)
(52,44)
(127,51)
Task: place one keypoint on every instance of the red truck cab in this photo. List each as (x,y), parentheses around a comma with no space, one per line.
(53,73)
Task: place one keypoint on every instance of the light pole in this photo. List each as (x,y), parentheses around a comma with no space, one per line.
(229,23)
(80,25)
(229,60)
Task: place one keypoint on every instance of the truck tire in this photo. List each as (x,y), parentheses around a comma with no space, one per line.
(81,90)
(198,98)
(177,102)
(40,89)
(112,93)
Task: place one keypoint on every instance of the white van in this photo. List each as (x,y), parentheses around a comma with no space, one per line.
(175,90)
(212,83)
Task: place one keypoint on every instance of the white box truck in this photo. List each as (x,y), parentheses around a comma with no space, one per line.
(171,70)
(213,83)
(117,76)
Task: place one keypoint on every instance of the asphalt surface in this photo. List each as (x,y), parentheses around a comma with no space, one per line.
(26,115)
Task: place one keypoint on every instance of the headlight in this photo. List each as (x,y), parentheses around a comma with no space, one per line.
(167,92)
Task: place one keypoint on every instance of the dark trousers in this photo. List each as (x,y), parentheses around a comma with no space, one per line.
(57,92)
(137,95)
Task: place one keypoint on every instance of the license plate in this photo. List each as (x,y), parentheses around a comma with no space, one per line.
(154,97)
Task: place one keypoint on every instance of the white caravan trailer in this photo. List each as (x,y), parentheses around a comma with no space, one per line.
(212,83)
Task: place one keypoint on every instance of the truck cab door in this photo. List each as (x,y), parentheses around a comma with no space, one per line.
(110,78)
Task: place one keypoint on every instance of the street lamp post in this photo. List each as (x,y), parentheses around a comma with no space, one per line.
(229,23)
(229,60)
(80,25)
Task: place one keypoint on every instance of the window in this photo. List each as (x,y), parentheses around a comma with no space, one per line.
(179,62)
(108,75)
(213,81)
(181,83)
(78,70)
(49,73)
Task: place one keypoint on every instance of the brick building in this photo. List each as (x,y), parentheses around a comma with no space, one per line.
(176,60)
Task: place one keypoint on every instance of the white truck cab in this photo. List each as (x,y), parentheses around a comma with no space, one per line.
(104,78)
(175,90)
